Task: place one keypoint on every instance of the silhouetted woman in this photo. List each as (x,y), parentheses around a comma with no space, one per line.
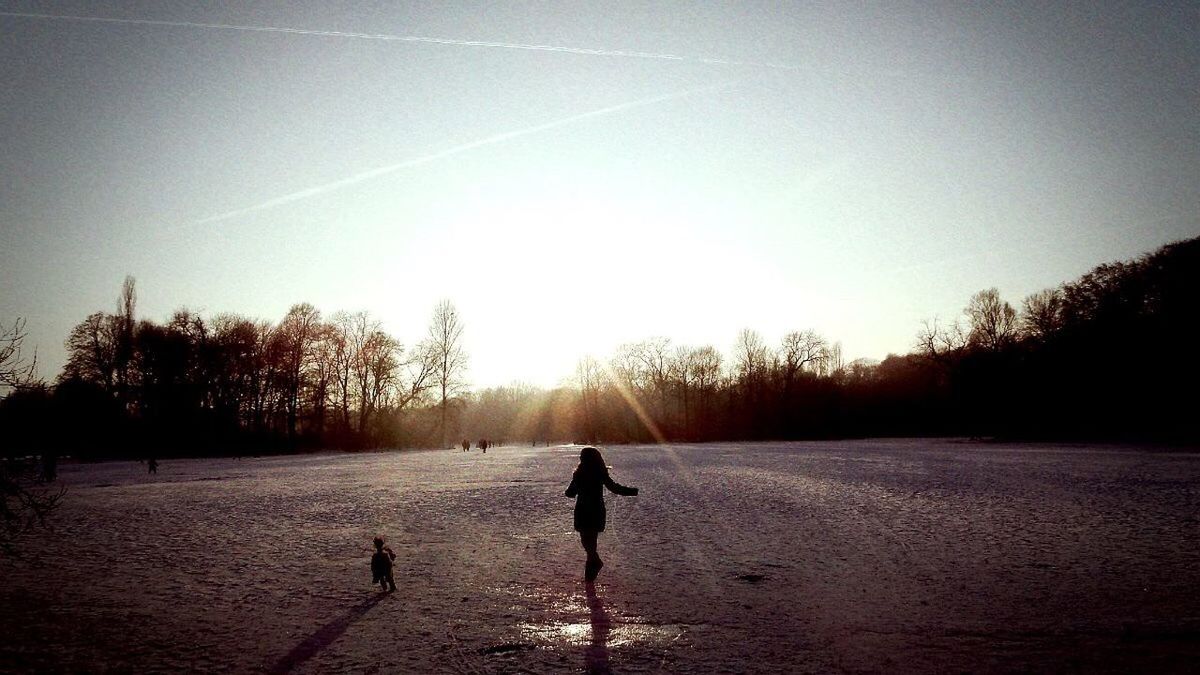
(587,486)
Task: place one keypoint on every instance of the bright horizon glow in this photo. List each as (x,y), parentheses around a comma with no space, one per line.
(573,181)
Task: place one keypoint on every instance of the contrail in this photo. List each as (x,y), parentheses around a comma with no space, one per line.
(490,140)
(408,38)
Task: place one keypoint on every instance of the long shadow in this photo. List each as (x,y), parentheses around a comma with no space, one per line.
(325,635)
(596,654)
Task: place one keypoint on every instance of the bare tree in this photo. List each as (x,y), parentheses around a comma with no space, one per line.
(694,371)
(340,351)
(295,339)
(751,357)
(682,374)
(419,367)
(589,375)
(628,368)
(236,379)
(993,321)
(655,358)
(124,323)
(24,502)
(802,351)
(325,363)
(15,370)
(939,343)
(375,374)
(1042,313)
(631,381)
(263,376)
(450,361)
(92,351)
(199,369)
(351,346)
(834,364)
(707,366)
(752,362)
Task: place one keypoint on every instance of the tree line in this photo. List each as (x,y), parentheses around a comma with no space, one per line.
(230,383)
(1107,356)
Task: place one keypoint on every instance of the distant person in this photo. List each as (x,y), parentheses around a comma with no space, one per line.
(482,444)
(381,566)
(152,466)
(587,486)
(466,445)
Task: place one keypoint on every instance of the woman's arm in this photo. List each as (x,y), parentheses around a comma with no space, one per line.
(619,489)
(572,489)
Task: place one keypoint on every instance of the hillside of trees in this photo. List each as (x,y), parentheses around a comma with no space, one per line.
(1107,356)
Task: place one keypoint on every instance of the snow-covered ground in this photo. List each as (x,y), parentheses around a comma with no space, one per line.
(861,556)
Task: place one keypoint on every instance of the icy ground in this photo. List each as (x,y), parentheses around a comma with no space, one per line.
(866,556)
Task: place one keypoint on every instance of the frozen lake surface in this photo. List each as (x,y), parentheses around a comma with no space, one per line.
(862,556)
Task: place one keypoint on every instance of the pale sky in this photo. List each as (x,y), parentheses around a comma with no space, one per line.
(674,169)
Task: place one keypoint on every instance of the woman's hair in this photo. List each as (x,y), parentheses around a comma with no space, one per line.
(591,463)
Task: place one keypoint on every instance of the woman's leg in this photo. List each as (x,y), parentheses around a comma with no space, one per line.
(588,539)
(594,563)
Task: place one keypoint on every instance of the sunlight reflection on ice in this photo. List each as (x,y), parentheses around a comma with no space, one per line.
(585,621)
(584,633)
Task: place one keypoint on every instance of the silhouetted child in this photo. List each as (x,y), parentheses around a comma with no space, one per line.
(152,466)
(381,566)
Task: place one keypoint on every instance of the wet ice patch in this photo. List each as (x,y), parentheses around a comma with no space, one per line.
(583,619)
(612,634)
